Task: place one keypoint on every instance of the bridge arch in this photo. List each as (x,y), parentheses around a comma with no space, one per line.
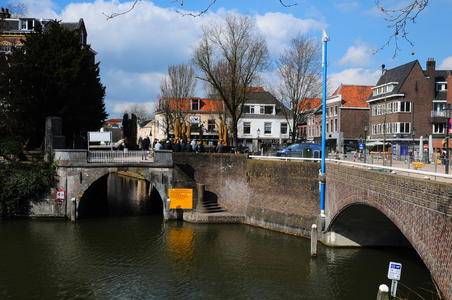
(77,180)
(421,209)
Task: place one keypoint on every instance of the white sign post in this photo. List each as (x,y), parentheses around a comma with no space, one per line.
(394,273)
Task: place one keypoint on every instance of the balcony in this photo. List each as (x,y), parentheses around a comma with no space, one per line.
(437,117)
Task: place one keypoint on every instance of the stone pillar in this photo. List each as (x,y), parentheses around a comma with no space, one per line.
(54,138)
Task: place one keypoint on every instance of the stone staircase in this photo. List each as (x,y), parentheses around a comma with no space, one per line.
(209,204)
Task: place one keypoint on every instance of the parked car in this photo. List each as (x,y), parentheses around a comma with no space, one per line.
(304,150)
(240,149)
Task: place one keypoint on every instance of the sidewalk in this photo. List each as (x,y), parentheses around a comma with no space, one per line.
(439,169)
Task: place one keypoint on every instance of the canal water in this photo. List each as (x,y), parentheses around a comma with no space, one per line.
(131,253)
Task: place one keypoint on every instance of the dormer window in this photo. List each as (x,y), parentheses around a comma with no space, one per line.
(441,86)
(195,104)
(383,89)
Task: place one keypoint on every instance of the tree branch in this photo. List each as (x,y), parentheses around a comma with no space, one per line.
(397,19)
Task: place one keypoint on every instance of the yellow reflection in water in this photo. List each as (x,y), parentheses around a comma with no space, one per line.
(181,244)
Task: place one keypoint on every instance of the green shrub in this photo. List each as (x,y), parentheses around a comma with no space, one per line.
(21,182)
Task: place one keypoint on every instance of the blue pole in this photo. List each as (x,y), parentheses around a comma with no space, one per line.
(325,39)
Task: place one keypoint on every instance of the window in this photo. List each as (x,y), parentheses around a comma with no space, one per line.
(267,128)
(283,128)
(246,128)
(374,110)
(335,125)
(211,125)
(331,125)
(335,110)
(269,110)
(326,112)
(331,111)
(252,109)
(326,127)
(441,86)
(378,110)
(438,128)
(389,108)
(402,106)
(195,104)
(246,109)
(262,110)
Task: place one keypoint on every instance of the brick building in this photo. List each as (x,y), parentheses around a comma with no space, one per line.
(346,111)
(406,98)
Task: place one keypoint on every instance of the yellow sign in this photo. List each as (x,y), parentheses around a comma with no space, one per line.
(181,198)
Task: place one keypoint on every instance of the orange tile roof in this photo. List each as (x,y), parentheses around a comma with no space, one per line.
(309,103)
(184,104)
(354,95)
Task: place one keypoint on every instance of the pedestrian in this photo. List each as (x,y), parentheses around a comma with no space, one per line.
(182,145)
(158,146)
(188,148)
(176,147)
(145,143)
(220,147)
(167,145)
(153,144)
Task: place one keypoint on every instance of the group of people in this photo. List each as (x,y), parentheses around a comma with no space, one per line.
(178,146)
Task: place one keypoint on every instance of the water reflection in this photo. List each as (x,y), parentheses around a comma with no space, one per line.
(138,256)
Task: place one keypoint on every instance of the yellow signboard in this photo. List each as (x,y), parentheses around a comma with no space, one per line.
(181,198)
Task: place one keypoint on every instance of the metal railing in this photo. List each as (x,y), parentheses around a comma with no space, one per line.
(120,156)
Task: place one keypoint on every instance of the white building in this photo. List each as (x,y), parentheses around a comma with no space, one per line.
(263,122)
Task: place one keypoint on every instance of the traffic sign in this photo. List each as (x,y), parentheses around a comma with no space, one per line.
(425,146)
(361,145)
(395,270)
(60,195)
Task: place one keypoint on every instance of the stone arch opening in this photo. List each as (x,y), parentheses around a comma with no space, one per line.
(360,224)
(102,197)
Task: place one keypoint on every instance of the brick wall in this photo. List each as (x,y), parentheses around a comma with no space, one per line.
(421,209)
(277,195)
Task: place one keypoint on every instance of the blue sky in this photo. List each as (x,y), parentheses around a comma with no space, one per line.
(135,49)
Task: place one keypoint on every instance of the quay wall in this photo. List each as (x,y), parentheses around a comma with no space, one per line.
(282,196)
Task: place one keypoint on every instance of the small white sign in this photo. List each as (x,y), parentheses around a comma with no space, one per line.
(395,271)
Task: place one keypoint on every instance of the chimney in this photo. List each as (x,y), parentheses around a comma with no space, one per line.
(431,65)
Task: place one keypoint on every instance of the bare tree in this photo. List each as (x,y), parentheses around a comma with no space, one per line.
(300,73)
(139,110)
(229,57)
(175,88)
(397,19)
(17,9)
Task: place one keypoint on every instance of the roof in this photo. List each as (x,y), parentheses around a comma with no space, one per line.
(309,103)
(266,98)
(184,104)
(398,74)
(354,95)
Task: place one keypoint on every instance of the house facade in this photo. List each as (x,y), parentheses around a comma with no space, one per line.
(407,105)
(201,114)
(345,113)
(264,122)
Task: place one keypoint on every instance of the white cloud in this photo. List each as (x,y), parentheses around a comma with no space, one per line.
(279,28)
(446,64)
(359,55)
(356,76)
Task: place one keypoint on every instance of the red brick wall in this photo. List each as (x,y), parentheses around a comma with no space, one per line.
(421,209)
(277,195)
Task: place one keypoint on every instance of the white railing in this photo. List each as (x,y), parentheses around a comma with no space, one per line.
(120,156)
(434,113)
(425,170)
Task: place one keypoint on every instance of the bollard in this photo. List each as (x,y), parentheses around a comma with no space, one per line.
(73,210)
(314,240)
(383,292)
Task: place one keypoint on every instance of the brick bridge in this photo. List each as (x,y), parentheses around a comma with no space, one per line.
(363,207)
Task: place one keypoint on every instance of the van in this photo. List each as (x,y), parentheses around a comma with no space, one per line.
(304,150)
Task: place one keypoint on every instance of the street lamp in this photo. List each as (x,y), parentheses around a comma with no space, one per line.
(366,129)
(448,115)
(413,133)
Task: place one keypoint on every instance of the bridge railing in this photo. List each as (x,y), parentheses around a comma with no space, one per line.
(432,170)
(113,156)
